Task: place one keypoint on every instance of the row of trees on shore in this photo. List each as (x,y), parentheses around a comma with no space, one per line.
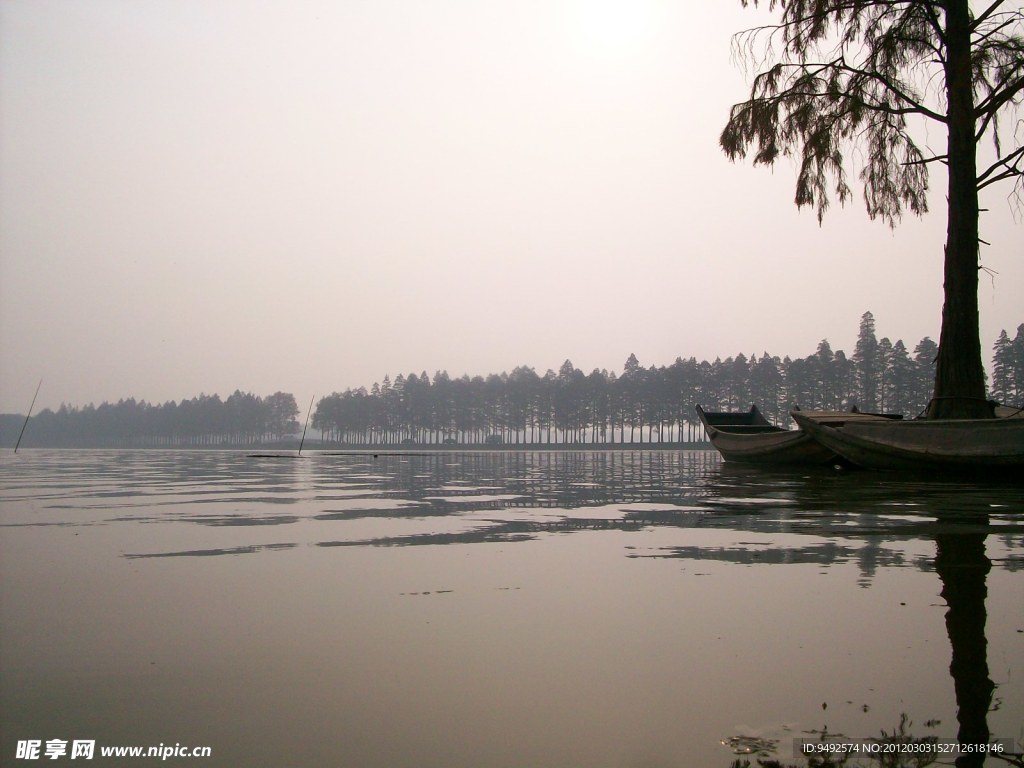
(242,419)
(652,404)
(644,405)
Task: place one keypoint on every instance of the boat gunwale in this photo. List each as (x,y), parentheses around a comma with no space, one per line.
(772,445)
(873,453)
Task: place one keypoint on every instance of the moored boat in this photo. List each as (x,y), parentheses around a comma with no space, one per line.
(922,444)
(747,436)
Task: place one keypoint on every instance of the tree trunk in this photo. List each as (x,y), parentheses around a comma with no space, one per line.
(959,374)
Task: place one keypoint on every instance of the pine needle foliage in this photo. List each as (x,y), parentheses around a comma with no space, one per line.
(854,75)
(851,87)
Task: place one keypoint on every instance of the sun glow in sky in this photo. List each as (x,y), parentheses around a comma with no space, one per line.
(613,29)
(306,195)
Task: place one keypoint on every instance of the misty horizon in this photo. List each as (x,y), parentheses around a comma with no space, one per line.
(216,196)
(989,359)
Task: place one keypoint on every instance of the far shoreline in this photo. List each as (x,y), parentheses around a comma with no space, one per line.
(327,449)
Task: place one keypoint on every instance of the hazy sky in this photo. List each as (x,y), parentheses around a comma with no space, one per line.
(306,195)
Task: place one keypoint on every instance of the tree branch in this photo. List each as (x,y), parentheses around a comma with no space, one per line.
(932,14)
(1011,163)
(998,98)
(916,106)
(979,20)
(813,69)
(944,159)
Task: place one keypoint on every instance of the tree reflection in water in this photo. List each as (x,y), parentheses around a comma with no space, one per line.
(962,567)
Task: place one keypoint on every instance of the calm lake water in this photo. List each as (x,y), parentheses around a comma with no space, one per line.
(616,608)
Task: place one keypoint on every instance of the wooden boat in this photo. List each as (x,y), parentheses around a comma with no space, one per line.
(748,436)
(922,444)
(1009,412)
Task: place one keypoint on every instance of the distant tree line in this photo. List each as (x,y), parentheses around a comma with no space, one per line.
(206,420)
(645,405)
(641,405)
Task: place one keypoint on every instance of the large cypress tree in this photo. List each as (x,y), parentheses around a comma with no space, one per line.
(866,75)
